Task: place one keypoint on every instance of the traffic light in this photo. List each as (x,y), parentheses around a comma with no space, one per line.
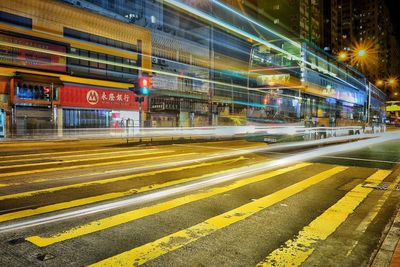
(142,86)
(46,93)
(266,100)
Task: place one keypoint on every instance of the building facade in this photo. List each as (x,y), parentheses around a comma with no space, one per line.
(65,68)
(64,74)
(363,23)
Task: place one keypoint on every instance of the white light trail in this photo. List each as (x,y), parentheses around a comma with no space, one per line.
(62,54)
(229,27)
(196,185)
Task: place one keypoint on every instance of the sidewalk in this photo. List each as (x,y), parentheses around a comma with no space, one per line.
(388,254)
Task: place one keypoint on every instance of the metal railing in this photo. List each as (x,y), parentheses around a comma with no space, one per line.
(175,133)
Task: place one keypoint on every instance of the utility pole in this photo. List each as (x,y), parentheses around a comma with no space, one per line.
(140,100)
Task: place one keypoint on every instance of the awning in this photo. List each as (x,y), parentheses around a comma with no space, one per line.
(38,78)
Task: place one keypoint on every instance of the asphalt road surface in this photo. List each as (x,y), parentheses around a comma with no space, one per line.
(105,203)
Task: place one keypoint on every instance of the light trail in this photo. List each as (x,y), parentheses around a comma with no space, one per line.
(229,27)
(228,85)
(62,54)
(206,182)
(298,45)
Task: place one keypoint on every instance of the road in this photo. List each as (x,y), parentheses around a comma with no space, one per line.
(106,203)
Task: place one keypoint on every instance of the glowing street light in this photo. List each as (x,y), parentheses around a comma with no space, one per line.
(389,85)
(361,53)
(343,56)
(392,82)
(380,83)
(364,55)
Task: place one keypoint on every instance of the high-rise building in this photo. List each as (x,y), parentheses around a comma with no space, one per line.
(338,25)
(362,23)
(299,19)
(71,69)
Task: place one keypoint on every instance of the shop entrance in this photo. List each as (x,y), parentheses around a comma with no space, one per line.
(33,120)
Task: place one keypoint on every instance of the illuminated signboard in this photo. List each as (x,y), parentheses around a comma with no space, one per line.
(32,59)
(271,80)
(393,108)
(93,97)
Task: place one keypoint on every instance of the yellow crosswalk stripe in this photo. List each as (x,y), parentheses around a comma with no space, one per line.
(89,200)
(297,250)
(362,227)
(103,181)
(115,220)
(22,157)
(75,154)
(147,151)
(152,250)
(378,206)
(90,165)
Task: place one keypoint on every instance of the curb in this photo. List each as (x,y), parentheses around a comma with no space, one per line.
(388,254)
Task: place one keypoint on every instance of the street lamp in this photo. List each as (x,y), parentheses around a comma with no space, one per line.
(391,82)
(362,55)
(343,56)
(380,83)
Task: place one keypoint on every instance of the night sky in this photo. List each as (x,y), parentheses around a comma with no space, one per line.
(394,6)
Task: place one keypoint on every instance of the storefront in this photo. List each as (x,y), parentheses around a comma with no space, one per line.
(34,99)
(168,111)
(98,107)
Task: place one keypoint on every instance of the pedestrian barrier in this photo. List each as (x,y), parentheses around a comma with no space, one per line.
(269,134)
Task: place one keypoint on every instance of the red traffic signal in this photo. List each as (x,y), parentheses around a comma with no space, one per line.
(46,92)
(141,86)
(266,100)
(144,82)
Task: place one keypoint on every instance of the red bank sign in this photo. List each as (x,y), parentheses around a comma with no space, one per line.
(90,97)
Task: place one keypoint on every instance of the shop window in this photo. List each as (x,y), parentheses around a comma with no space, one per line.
(102,40)
(75,118)
(81,67)
(15,19)
(119,44)
(39,94)
(75,52)
(119,61)
(102,65)
(84,36)
(72,33)
(36,92)
(126,62)
(111,59)
(110,42)
(94,64)
(84,53)
(94,38)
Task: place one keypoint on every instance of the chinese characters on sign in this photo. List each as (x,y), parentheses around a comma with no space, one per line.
(93,97)
(115,97)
